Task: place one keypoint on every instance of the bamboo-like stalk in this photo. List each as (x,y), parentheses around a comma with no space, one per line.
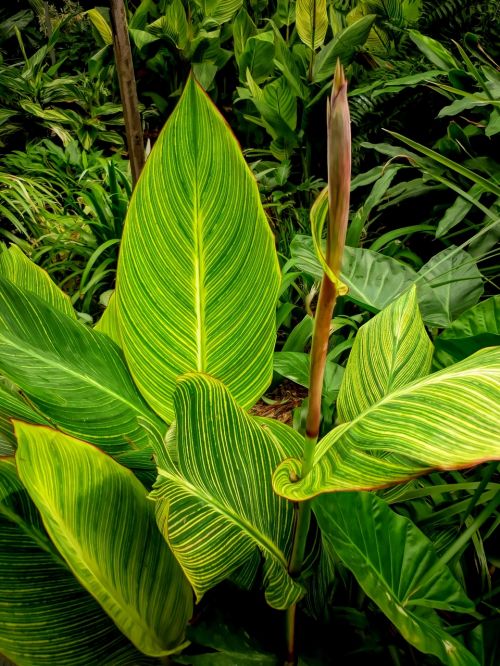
(128,88)
(339,181)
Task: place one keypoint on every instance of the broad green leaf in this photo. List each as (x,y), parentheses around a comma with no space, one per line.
(118,555)
(46,616)
(373,279)
(257,57)
(76,376)
(343,46)
(311,21)
(216,507)
(390,351)
(12,406)
(397,567)
(447,420)
(456,285)
(476,328)
(198,275)
(18,269)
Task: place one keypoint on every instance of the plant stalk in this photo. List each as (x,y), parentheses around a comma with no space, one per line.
(339,176)
(128,88)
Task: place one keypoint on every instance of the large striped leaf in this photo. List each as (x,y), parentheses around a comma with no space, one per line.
(449,419)
(46,616)
(390,351)
(397,567)
(74,375)
(216,506)
(18,269)
(98,516)
(312,22)
(198,275)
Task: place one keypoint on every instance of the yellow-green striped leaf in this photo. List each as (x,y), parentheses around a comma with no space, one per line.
(397,567)
(18,269)
(198,275)
(46,616)
(312,22)
(447,420)
(98,516)
(216,507)
(390,351)
(77,377)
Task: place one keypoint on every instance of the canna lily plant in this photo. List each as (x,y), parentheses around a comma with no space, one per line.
(152,404)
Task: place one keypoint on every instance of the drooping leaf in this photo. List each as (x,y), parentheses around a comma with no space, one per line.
(198,275)
(447,420)
(311,21)
(476,328)
(98,516)
(216,507)
(390,351)
(456,285)
(343,46)
(46,616)
(74,375)
(18,269)
(397,567)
